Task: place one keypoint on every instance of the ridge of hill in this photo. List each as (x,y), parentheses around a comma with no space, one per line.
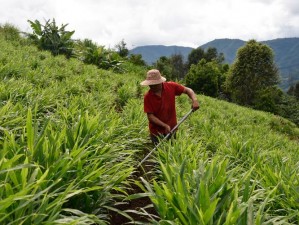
(286,54)
(228,47)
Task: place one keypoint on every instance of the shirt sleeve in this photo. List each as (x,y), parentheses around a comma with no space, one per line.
(178,88)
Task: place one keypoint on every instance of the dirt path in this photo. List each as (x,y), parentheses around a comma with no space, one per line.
(136,204)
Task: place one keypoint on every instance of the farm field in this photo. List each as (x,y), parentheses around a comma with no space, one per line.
(72,136)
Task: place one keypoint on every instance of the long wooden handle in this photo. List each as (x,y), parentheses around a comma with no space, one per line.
(171,132)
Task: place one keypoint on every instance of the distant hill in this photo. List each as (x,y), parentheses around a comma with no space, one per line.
(286,52)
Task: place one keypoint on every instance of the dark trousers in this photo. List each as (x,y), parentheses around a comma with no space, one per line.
(157,138)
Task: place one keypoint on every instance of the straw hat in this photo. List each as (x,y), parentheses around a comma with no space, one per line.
(153,77)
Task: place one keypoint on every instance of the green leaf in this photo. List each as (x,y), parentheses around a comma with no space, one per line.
(37,28)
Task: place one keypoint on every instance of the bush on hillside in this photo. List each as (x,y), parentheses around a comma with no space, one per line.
(294,90)
(52,38)
(10,32)
(90,53)
(268,100)
(204,78)
(136,59)
(289,108)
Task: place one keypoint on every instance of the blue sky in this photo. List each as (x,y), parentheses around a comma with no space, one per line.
(168,22)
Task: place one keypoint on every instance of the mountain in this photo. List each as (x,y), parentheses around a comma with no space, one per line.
(286,54)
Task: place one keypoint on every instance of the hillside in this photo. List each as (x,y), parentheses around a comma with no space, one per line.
(286,52)
(72,136)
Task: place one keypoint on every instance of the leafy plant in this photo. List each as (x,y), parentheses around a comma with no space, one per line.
(91,53)
(51,37)
(121,48)
(204,78)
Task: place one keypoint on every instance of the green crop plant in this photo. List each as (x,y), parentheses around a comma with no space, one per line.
(258,165)
(202,196)
(74,164)
(63,155)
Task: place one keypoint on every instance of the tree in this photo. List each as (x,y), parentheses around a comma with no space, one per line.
(173,68)
(296,91)
(164,66)
(136,59)
(291,90)
(177,66)
(204,78)
(253,70)
(195,56)
(51,37)
(211,54)
(122,50)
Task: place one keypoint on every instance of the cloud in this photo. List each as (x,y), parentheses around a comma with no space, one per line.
(291,6)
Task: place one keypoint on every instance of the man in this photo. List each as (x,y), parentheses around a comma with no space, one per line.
(159,103)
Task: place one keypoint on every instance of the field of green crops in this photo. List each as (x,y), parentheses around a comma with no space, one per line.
(71,137)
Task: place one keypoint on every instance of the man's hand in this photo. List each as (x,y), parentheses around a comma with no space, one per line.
(167,129)
(152,118)
(195,105)
(192,96)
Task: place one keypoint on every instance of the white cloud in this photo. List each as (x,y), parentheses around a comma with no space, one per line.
(168,22)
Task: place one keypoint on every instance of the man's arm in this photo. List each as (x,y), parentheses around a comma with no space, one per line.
(192,96)
(153,119)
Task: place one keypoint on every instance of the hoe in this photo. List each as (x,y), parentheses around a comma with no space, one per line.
(167,136)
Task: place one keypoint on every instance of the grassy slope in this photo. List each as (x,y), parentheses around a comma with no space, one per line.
(60,117)
(103,114)
(247,159)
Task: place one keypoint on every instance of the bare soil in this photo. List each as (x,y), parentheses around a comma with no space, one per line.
(136,204)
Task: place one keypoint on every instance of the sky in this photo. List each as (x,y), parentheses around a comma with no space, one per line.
(189,23)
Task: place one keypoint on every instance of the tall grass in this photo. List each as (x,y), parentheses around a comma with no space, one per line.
(65,153)
(227,166)
(71,136)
